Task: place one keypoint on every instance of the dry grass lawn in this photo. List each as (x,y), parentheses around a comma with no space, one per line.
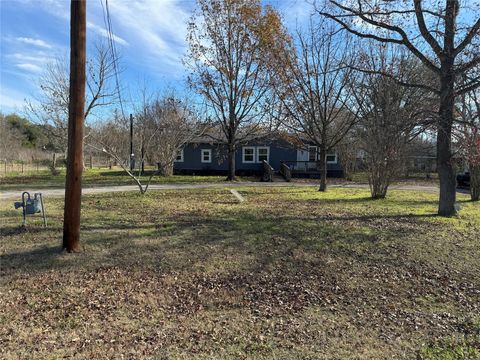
(43,179)
(288,274)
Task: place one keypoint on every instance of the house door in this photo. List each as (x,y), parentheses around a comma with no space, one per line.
(302,160)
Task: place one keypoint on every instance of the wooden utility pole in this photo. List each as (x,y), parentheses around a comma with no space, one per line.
(73,184)
(132,159)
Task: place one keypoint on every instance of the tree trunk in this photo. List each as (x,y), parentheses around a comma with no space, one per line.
(446,170)
(323,168)
(165,170)
(143,159)
(378,180)
(231,163)
(53,166)
(474,182)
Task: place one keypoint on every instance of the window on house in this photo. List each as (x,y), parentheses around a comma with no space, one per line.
(179,157)
(331,158)
(312,153)
(206,155)
(248,153)
(263,153)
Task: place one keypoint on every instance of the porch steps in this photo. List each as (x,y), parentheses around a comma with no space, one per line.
(278,178)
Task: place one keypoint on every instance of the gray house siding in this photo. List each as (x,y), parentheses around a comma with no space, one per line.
(279,150)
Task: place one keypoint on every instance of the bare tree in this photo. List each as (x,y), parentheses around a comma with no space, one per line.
(51,107)
(230,45)
(143,123)
(177,125)
(468,136)
(165,125)
(391,117)
(439,33)
(347,151)
(113,138)
(315,88)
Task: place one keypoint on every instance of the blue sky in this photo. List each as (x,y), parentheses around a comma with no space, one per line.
(150,36)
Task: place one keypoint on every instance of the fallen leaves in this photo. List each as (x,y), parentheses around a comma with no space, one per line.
(285,276)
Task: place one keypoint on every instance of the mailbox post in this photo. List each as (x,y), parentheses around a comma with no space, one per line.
(31,206)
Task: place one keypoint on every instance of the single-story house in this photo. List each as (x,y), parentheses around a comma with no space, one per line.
(207,156)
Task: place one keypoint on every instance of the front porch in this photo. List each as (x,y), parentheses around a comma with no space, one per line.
(309,169)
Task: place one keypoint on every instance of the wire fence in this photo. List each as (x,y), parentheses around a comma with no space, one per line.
(39,166)
(14,167)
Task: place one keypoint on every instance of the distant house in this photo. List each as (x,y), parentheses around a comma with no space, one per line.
(207,156)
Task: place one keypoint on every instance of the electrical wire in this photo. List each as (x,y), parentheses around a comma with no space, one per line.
(111,42)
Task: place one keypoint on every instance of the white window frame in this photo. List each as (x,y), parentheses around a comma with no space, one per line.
(181,156)
(258,153)
(206,151)
(332,161)
(253,155)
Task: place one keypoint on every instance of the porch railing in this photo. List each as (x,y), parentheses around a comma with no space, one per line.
(304,167)
(267,172)
(285,171)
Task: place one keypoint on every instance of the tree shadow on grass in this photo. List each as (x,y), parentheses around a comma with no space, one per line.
(11,231)
(268,240)
(8,231)
(338,200)
(38,259)
(45,256)
(117,226)
(377,217)
(370,200)
(187,241)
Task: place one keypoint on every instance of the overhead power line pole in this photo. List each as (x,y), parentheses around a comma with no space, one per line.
(73,184)
(132,158)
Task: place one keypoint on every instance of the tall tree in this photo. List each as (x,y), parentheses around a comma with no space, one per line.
(51,107)
(468,134)
(391,116)
(445,36)
(315,88)
(177,124)
(163,125)
(230,45)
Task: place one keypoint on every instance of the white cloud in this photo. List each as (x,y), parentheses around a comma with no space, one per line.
(101,31)
(159,28)
(154,30)
(32,63)
(29,67)
(35,42)
(39,58)
(61,10)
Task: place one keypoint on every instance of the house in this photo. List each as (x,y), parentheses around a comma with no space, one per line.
(207,156)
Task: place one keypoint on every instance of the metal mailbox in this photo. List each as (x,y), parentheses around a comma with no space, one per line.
(31,206)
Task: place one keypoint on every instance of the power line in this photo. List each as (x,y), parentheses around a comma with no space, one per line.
(108,27)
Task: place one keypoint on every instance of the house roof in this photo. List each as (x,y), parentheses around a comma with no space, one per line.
(215,135)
